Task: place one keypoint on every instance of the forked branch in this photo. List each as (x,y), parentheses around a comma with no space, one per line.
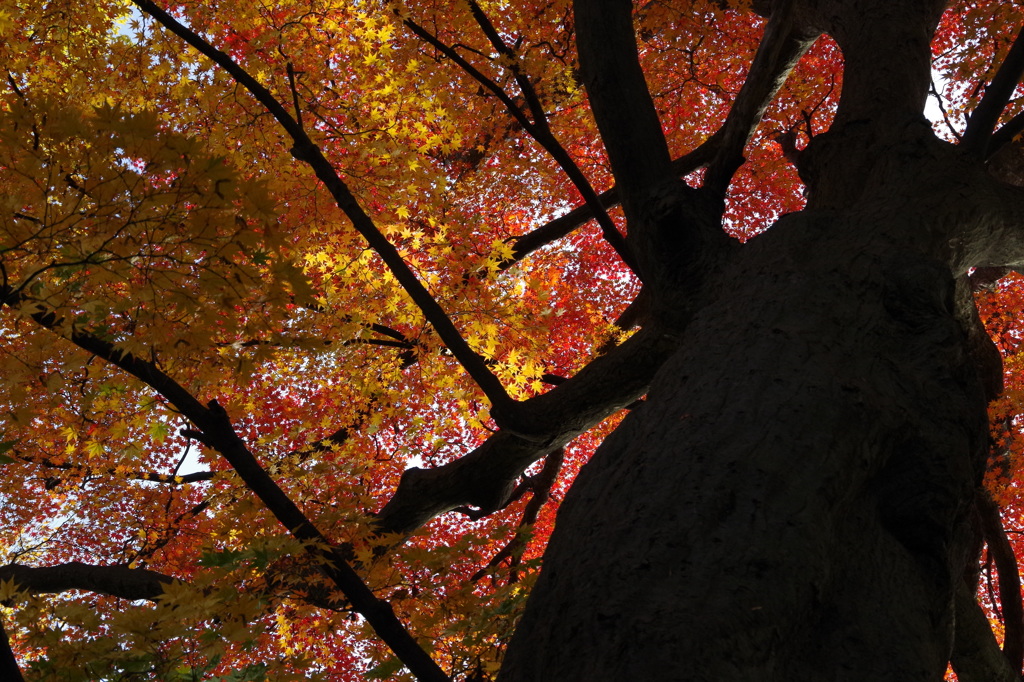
(522,80)
(540,485)
(537,126)
(565,224)
(781,47)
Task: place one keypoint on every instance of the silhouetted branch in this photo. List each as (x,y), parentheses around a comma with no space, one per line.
(934,92)
(978,133)
(783,44)
(9,669)
(565,224)
(486,477)
(135,475)
(976,656)
(1009,581)
(522,80)
(541,486)
(307,151)
(120,580)
(537,128)
(116,581)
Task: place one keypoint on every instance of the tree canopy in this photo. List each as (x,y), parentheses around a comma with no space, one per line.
(312,310)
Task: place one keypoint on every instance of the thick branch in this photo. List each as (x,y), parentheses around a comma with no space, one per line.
(1006,134)
(674,230)
(305,150)
(784,42)
(976,656)
(9,669)
(116,581)
(619,97)
(1009,581)
(978,133)
(541,486)
(486,477)
(556,229)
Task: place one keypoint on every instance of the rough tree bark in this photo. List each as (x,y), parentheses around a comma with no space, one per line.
(792,501)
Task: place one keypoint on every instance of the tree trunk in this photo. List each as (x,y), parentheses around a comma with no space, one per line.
(791,501)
